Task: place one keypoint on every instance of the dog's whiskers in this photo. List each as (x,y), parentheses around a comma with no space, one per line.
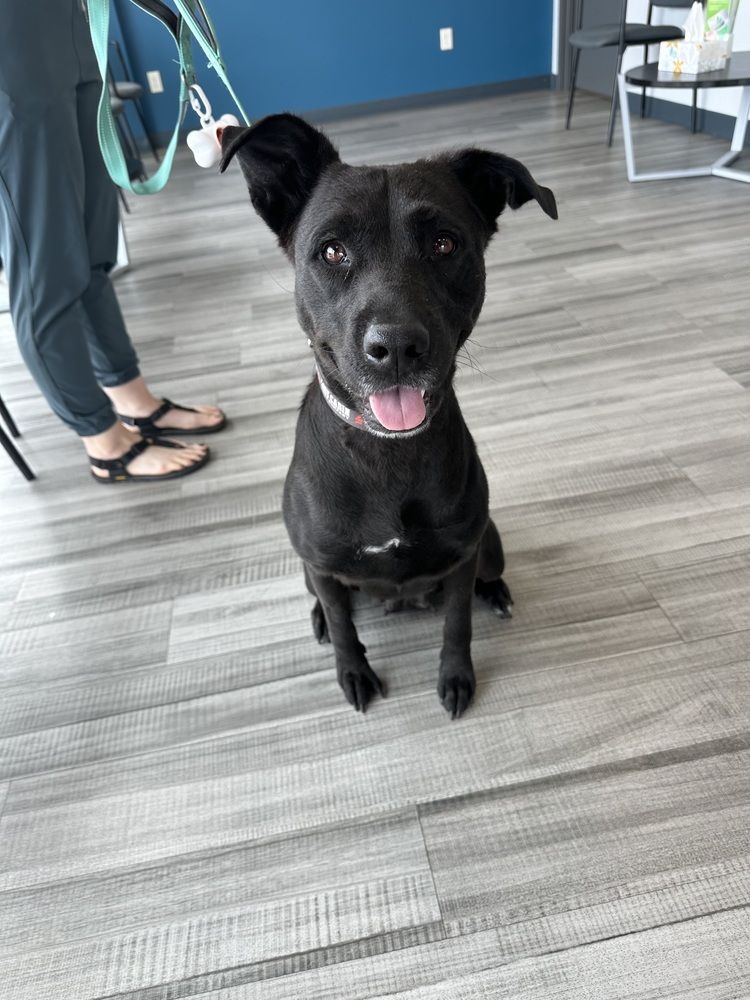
(289,291)
(471,362)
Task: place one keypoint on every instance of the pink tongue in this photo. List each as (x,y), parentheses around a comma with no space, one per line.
(399,409)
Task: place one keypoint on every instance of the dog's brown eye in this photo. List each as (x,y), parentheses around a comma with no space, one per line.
(334,252)
(444,245)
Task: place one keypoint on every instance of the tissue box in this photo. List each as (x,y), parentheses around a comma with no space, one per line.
(679,56)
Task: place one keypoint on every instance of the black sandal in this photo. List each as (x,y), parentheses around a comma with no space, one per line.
(117,467)
(147,425)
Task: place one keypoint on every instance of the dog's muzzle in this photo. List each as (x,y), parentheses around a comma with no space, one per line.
(401,411)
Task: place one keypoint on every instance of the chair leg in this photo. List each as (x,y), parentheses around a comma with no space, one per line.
(149,140)
(4,413)
(613,105)
(129,147)
(126,137)
(16,455)
(576,56)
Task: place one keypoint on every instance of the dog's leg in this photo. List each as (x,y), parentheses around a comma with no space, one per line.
(358,682)
(489,583)
(317,616)
(456,683)
(319,624)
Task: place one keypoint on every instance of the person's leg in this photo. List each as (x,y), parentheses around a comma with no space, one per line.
(43,241)
(41,200)
(113,358)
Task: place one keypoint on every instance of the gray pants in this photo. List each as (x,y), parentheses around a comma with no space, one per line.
(58,212)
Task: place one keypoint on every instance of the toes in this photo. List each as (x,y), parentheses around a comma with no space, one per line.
(360,685)
(212,413)
(497,595)
(455,693)
(192,417)
(185,447)
(503,594)
(501,608)
(182,459)
(158,460)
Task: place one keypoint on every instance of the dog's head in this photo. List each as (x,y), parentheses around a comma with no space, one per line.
(389,260)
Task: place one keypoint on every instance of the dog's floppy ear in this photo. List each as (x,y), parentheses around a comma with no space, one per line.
(282,158)
(494,181)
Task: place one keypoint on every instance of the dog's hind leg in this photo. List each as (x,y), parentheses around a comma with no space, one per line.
(317,615)
(358,682)
(489,584)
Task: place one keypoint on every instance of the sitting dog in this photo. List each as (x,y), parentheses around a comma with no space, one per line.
(386,492)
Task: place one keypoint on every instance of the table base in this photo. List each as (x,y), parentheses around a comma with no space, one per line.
(719,168)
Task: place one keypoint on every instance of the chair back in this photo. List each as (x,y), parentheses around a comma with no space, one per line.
(578,19)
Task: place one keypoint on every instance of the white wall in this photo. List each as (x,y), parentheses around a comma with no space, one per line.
(724,99)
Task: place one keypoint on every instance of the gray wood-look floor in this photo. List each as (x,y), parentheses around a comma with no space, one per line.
(188,808)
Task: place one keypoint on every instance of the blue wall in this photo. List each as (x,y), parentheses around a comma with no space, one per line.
(299,55)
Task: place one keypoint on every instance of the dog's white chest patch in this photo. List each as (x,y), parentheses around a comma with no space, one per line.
(392,543)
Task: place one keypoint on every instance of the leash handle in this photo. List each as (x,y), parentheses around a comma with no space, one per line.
(187,23)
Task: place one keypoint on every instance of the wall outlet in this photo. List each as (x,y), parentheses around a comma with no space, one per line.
(446,39)
(154,81)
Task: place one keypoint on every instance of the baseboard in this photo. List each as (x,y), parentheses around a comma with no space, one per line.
(435,98)
(710,122)
(429,100)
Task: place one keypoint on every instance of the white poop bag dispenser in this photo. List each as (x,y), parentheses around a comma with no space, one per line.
(204,142)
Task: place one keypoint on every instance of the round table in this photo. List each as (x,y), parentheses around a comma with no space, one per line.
(736,73)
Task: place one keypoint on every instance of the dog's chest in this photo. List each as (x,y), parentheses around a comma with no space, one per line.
(382,541)
(374,550)
(385,519)
(399,557)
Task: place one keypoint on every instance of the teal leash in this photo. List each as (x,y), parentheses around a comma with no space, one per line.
(187,27)
(210,48)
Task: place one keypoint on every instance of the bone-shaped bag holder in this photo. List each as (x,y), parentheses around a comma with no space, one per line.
(204,142)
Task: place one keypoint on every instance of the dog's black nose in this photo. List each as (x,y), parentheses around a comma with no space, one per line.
(391,346)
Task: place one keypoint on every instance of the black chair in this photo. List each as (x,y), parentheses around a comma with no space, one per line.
(6,442)
(613,35)
(670,5)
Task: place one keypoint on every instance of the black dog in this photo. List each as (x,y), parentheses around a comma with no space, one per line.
(386,492)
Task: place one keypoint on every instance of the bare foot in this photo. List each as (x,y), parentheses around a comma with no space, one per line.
(156,460)
(135,399)
(206,416)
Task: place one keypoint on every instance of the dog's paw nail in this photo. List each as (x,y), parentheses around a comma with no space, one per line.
(497,595)
(502,611)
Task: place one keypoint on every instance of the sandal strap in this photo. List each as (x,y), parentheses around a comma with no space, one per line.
(148,423)
(119,464)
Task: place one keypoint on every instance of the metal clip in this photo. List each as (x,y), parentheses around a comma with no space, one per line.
(201,105)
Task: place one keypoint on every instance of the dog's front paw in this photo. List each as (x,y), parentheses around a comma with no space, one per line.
(456,687)
(497,595)
(359,683)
